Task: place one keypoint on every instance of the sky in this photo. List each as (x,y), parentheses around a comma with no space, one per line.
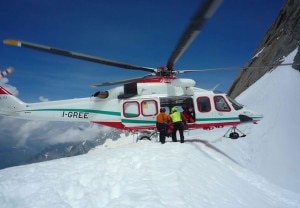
(136,32)
(260,170)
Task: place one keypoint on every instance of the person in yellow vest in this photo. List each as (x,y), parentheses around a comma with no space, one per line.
(177,119)
(162,120)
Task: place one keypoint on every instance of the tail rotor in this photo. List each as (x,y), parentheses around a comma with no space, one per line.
(7,71)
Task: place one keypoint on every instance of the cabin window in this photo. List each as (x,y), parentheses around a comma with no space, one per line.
(149,107)
(131,109)
(203,104)
(221,104)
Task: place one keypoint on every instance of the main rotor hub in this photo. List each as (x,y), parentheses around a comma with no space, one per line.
(164,71)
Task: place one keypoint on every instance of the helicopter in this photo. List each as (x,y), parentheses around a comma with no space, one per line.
(134,103)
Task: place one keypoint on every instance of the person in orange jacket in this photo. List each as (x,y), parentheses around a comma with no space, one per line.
(162,120)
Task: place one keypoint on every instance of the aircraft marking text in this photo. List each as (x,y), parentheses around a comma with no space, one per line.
(75,114)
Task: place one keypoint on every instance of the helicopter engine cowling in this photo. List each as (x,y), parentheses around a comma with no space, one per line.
(184,83)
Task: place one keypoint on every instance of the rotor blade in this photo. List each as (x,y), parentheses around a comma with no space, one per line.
(205,70)
(77,55)
(7,71)
(122,81)
(234,68)
(272,65)
(204,12)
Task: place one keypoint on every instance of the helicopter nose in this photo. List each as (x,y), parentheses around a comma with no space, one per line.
(250,116)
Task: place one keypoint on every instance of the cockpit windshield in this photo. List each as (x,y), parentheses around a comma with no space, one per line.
(234,103)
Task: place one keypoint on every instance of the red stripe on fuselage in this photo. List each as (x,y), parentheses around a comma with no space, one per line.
(212,125)
(157,80)
(4,91)
(119,125)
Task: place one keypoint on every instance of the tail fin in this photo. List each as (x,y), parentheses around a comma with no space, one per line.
(4,91)
(9,104)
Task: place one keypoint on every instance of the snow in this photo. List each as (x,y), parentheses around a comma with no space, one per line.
(260,170)
(276,151)
(143,174)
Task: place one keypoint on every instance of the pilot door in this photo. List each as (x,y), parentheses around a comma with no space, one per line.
(139,113)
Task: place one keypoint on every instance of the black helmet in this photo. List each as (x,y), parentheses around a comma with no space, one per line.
(162,110)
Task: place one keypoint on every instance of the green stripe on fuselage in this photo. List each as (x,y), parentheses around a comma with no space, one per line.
(217,119)
(77,110)
(137,121)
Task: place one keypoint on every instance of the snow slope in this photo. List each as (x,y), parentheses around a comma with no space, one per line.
(259,170)
(143,174)
(274,144)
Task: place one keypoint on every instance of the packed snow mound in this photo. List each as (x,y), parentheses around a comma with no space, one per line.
(143,174)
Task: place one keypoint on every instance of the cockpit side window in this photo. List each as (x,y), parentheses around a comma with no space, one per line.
(221,104)
(234,103)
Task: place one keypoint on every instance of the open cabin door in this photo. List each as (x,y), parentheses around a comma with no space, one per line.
(182,103)
(139,113)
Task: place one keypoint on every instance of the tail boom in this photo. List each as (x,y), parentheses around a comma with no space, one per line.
(64,110)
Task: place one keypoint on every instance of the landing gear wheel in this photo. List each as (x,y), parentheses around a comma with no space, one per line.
(145,138)
(147,135)
(234,135)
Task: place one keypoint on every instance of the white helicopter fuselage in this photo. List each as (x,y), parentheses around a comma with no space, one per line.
(135,106)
